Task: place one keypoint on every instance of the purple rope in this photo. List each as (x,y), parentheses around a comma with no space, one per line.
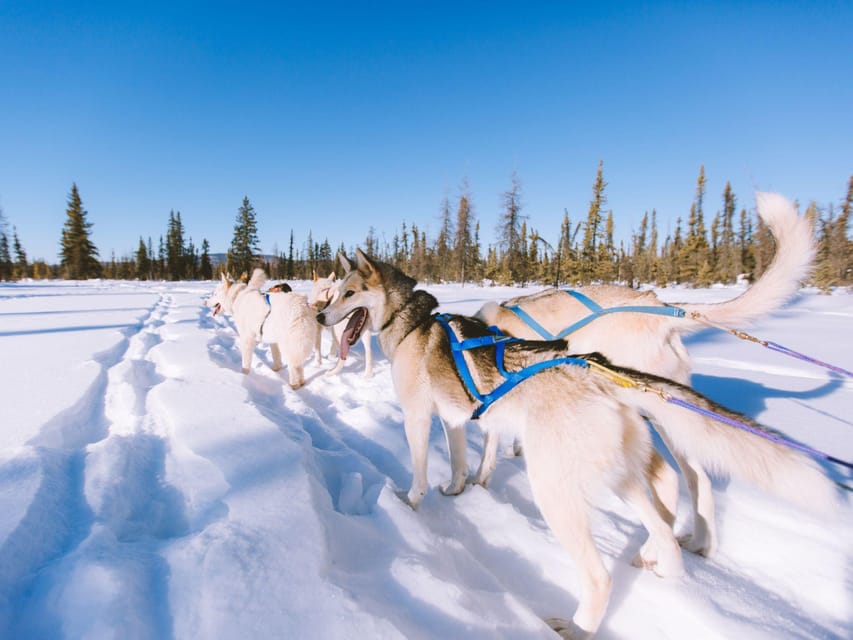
(795,354)
(759,432)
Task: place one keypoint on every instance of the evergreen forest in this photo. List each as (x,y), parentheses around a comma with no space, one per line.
(705,248)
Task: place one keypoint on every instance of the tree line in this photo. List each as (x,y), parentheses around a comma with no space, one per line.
(734,243)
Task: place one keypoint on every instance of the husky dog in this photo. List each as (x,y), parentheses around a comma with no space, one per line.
(581,432)
(321,294)
(282,320)
(652,343)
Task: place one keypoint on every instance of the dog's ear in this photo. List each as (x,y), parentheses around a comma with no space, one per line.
(345,263)
(366,267)
(224,277)
(314,271)
(332,276)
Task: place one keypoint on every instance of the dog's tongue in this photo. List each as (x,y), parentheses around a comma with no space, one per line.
(353,330)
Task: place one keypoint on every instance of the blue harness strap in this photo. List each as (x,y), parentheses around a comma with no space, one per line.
(497,340)
(597,311)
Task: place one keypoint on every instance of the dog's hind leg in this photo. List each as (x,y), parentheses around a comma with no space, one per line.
(247,345)
(663,482)
(556,482)
(276,356)
(489,459)
(456,445)
(703,539)
(660,552)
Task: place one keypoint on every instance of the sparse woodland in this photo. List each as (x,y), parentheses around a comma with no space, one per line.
(704,247)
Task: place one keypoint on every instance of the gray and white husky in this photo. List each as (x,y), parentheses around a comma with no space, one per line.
(282,320)
(322,291)
(581,432)
(652,343)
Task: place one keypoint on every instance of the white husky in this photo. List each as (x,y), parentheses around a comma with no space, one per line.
(652,343)
(282,320)
(321,294)
(581,432)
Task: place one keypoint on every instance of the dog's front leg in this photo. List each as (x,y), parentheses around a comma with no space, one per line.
(456,444)
(417,426)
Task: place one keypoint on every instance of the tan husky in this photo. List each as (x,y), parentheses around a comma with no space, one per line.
(652,342)
(282,320)
(581,432)
(321,294)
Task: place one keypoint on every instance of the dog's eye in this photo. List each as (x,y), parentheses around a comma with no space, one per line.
(349,293)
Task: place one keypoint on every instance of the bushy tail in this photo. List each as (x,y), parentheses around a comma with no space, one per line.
(795,250)
(259,277)
(722,449)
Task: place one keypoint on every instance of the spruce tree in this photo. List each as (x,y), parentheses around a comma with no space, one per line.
(78,255)
(205,270)
(443,243)
(21,269)
(143,263)
(510,234)
(592,228)
(5,256)
(463,244)
(245,249)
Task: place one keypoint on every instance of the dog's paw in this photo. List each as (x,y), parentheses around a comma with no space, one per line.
(700,545)
(567,629)
(410,498)
(453,488)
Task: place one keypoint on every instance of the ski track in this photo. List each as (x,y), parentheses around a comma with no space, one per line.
(101,487)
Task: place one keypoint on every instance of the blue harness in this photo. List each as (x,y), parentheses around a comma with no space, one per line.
(597,311)
(497,340)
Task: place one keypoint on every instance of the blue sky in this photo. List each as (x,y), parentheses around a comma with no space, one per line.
(332,117)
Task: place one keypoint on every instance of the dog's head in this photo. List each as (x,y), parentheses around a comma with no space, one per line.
(219,295)
(322,291)
(359,296)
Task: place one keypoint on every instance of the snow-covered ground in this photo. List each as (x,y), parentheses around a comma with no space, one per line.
(148,489)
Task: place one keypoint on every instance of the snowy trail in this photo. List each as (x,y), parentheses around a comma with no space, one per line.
(151,490)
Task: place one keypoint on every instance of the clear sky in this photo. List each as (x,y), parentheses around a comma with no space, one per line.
(335,116)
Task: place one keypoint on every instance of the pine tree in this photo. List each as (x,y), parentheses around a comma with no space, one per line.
(510,234)
(5,256)
(78,255)
(729,263)
(20,269)
(205,265)
(143,264)
(592,228)
(463,258)
(244,253)
(695,253)
(443,242)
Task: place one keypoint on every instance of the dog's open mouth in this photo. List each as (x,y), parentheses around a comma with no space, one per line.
(357,321)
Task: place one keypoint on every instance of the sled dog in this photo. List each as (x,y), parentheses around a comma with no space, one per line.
(581,432)
(282,320)
(321,294)
(652,343)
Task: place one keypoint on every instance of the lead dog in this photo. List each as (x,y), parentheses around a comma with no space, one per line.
(322,291)
(581,433)
(652,343)
(282,320)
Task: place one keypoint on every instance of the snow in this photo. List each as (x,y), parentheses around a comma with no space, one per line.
(148,489)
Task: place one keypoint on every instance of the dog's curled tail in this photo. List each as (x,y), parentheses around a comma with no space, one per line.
(723,449)
(792,261)
(259,277)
